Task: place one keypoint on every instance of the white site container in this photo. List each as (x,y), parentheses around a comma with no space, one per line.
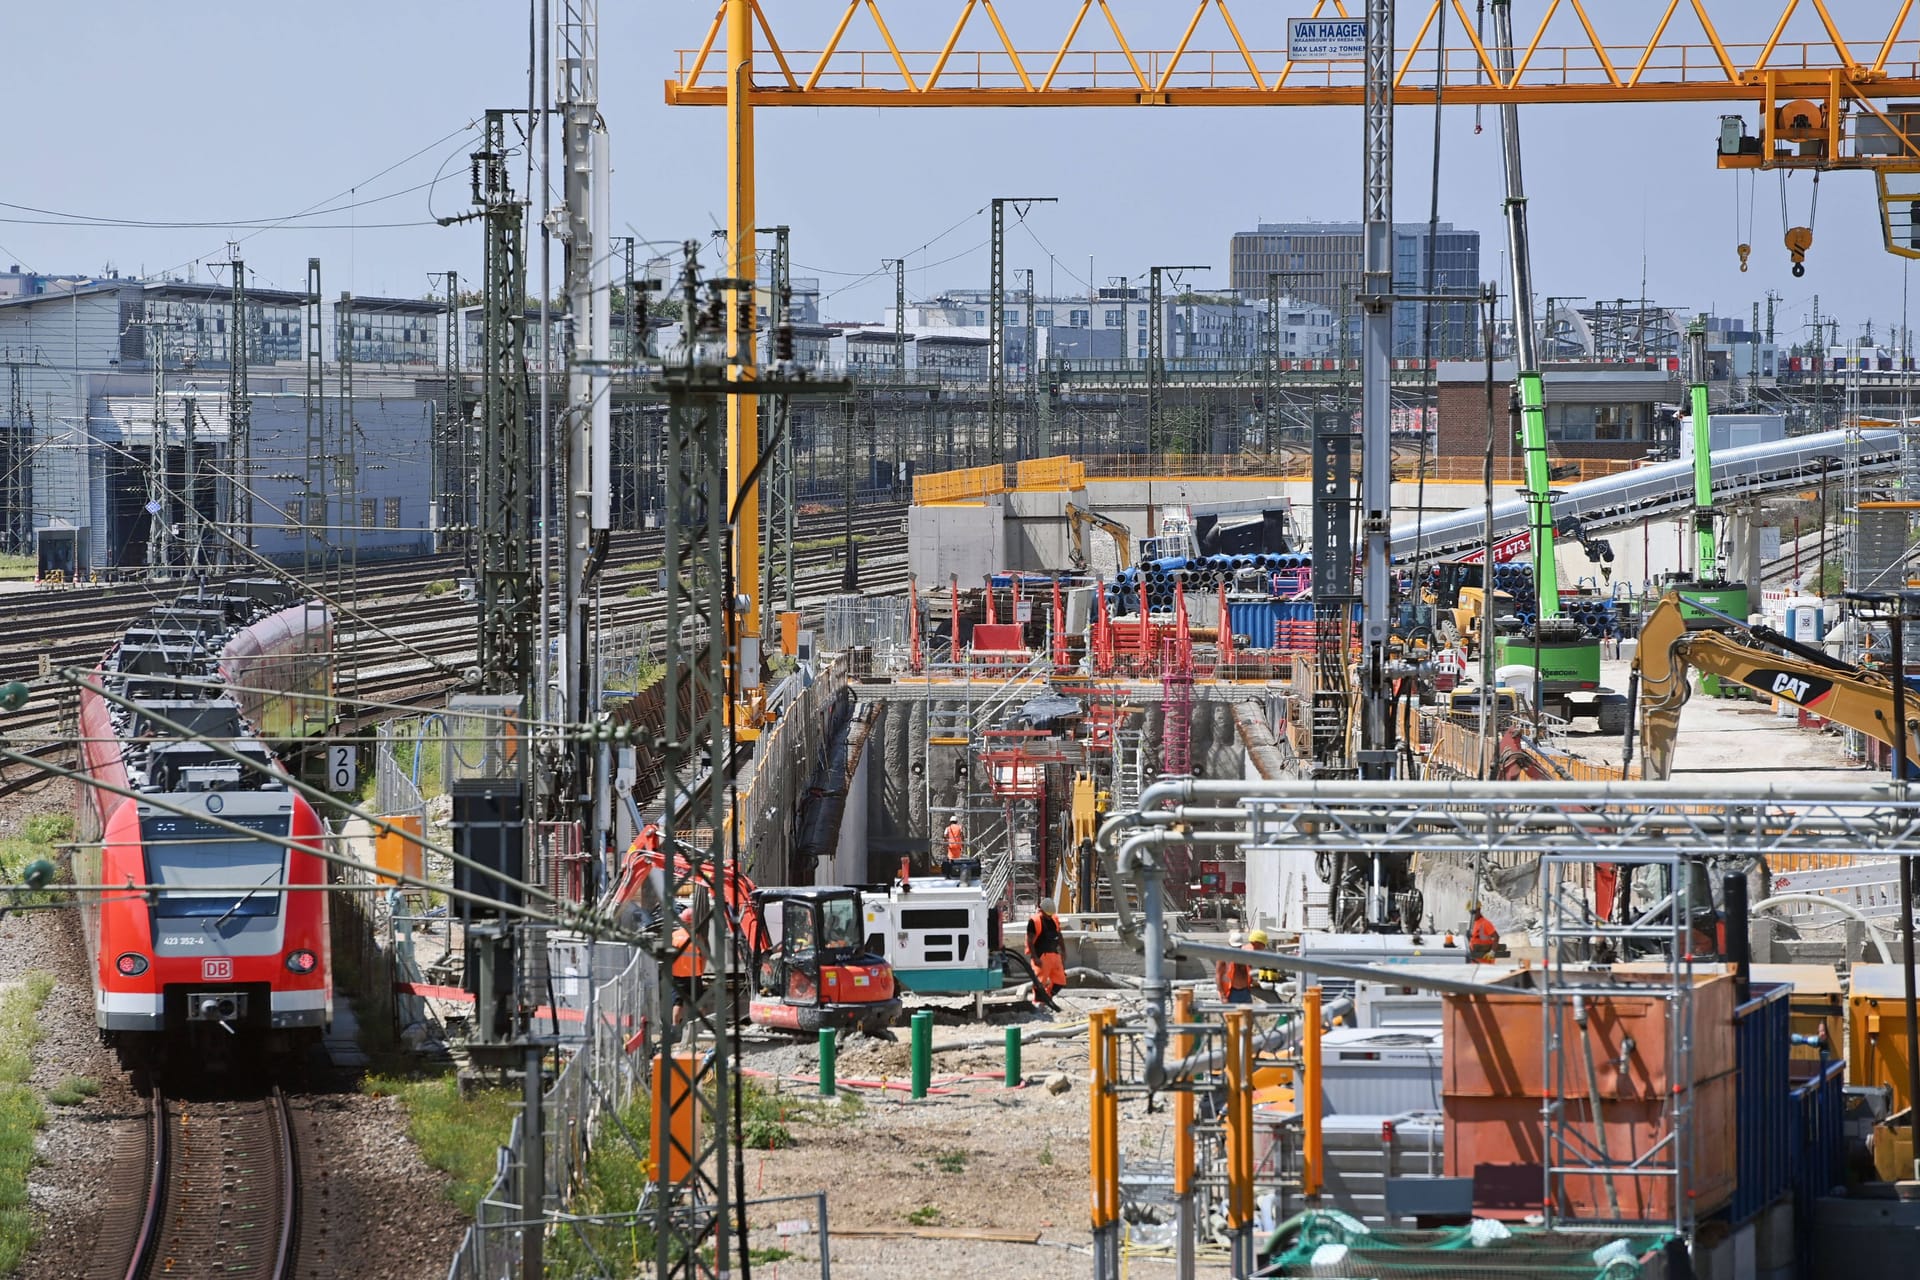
(1372,1071)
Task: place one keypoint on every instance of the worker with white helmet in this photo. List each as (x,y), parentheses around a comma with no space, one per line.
(1233,979)
(1046,948)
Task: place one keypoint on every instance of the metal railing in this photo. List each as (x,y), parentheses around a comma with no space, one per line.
(601,1078)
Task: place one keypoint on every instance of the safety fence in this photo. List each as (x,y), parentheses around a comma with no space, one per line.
(875,625)
(791,750)
(1064,473)
(958,486)
(1059,473)
(364,964)
(601,1077)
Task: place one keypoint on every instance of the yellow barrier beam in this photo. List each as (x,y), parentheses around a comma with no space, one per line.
(1310,1097)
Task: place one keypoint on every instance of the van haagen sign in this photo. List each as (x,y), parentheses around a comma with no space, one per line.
(1326,40)
(1511,547)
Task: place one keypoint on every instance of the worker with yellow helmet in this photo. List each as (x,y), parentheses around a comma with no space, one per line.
(1235,981)
(1257,940)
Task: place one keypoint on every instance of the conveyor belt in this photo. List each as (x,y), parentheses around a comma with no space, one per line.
(1666,488)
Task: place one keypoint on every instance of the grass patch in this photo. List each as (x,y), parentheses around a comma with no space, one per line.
(1046,1153)
(951,1162)
(14,567)
(830,543)
(640,591)
(439,587)
(41,837)
(73,1091)
(20,1114)
(927,1215)
(764,1116)
(456,1135)
(619,1169)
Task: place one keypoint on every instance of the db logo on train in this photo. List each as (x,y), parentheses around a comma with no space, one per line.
(216,970)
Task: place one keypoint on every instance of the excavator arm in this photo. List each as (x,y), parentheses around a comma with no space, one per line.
(1078,518)
(1845,694)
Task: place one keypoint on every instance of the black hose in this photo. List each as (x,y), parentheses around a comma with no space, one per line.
(1020,961)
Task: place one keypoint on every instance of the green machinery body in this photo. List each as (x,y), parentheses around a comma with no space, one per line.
(1563,664)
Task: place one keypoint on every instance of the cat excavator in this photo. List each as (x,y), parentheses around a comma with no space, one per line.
(1762,659)
(1078,518)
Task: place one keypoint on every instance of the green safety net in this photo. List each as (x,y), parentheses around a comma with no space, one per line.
(1330,1243)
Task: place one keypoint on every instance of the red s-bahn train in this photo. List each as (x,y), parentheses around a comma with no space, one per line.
(215,957)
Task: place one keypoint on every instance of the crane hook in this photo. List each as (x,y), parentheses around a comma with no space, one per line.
(1799,240)
(1744,250)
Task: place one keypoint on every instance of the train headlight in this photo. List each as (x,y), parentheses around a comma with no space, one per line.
(302,961)
(131,964)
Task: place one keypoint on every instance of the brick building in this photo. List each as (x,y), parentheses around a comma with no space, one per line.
(1619,411)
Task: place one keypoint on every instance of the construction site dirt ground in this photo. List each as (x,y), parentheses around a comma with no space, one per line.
(924,1187)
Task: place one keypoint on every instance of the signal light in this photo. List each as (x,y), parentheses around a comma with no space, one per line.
(302,961)
(131,964)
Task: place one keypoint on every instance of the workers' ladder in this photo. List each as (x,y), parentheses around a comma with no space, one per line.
(1614,1186)
(1129,780)
(983,814)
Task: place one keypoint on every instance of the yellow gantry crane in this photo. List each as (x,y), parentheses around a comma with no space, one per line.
(1815,83)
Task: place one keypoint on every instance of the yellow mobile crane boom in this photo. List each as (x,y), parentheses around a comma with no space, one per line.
(1839,691)
(1078,518)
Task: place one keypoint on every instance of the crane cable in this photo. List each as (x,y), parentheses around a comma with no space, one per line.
(1744,238)
(1799,239)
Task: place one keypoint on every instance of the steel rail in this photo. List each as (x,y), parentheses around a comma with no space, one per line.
(148,1237)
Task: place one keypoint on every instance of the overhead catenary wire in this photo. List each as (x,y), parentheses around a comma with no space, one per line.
(587,921)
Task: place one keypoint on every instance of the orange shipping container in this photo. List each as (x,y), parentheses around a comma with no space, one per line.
(1494,1087)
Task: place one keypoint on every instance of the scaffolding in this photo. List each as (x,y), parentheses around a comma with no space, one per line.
(1576,1157)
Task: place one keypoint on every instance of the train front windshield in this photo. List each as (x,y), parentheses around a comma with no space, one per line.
(211,871)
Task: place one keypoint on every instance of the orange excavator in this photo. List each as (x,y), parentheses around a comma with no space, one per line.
(805,946)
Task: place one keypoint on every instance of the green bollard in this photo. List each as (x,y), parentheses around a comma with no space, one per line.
(829,1050)
(1014,1078)
(922,1052)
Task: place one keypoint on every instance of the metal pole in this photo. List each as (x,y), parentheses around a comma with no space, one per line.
(997,333)
(533,1172)
(239,415)
(743,412)
(1157,353)
(1186,1217)
(1897,626)
(1375,756)
(997,322)
(1034,446)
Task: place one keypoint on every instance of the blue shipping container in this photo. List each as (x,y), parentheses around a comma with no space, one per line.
(1764,1107)
(1819,1147)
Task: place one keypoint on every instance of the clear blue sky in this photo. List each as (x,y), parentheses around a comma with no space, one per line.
(216,110)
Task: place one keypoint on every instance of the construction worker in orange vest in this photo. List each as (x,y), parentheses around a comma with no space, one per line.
(956,838)
(1234,980)
(688,965)
(1257,941)
(1045,949)
(1483,939)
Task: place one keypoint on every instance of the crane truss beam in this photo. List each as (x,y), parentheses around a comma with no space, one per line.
(1579,51)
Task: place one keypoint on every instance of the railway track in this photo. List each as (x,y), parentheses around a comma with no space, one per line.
(74,625)
(219,1195)
(408,649)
